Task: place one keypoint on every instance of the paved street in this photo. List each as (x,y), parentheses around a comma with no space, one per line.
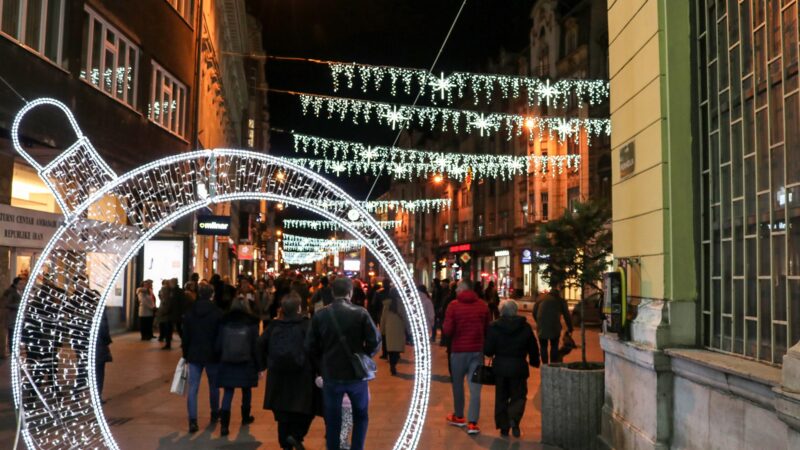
(143,415)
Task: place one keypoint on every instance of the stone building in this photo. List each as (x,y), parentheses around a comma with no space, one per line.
(704,107)
(144,79)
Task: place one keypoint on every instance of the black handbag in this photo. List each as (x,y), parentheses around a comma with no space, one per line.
(483,375)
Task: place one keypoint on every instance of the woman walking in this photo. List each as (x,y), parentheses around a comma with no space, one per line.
(291,393)
(509,342)
(393,328)
(147,306)
(238,368)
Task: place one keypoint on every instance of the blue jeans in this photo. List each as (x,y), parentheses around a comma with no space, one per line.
(195,371)
(227,398)
(333,394)
(463,365)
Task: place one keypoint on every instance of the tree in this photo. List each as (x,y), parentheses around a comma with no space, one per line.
(574,250)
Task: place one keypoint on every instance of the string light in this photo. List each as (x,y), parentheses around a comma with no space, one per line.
(64,301)
(354,158)
(302,258)
(404,116)
(482,86)
(333,226)
(425,205)
(297,243)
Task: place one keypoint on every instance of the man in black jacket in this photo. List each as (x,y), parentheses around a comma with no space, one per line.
(338,333)
(200,325)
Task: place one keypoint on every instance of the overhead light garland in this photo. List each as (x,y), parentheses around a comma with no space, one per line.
(346,157)
(296,243)
(424,205)
(302,258)
(457,120)
(483,87)
(330,225)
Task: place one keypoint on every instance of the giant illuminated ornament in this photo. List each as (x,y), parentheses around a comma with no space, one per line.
(57,325)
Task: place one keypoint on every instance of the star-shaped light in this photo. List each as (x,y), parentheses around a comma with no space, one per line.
(370,153)
(399,169)
(442,84)
(395,116)
(564,129)
(482,123)
(546,91)
(441,162)
(338,168)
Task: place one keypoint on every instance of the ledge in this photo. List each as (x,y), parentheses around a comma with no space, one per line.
(732,375)
(646,357)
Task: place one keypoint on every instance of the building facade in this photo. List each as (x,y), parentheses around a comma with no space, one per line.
(129,72)
(704,107)
(487,233)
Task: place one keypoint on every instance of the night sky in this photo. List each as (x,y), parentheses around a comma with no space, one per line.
(406,33)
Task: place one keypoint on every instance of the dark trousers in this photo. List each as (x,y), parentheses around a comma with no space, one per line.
(292,424)
(394,358)
(358,392)
(384,353)
(510,395)
(227,398)
(100,377)
(10,338)
(146,327)
(165,331)
(554,356)
(179,328)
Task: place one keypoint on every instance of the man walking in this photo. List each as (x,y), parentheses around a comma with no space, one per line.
(548,312)
(465,323)
(200,329)
(341,334)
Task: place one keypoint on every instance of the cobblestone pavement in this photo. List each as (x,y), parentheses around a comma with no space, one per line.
(144,415)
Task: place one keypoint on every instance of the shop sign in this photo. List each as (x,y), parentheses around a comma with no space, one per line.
(465,258)
(245,253)
(20,227)
(501,253)
(627,160)
(460,248)
(527,256)
(214,225)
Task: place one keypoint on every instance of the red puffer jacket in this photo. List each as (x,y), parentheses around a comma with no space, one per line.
(466,322)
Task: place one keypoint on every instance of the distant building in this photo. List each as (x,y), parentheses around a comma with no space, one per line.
(491,223)
(129,72)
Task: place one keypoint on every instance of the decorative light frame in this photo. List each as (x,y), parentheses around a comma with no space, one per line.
(57,397)
(328,225)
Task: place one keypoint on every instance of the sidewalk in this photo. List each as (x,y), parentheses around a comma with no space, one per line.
(144,415)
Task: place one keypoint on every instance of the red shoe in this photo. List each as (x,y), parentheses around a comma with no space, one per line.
(472,428)
(455,421)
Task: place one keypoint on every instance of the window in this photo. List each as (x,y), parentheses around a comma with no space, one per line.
(167,105)
(544,205)
(503,222)
(573,197)
(251,133)
(446,233)
(571,37)
(479,228)
(184,7)
(748,171)
(109,60)
(36,24)
(465,231)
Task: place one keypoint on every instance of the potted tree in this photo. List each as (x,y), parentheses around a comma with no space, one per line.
(574,250)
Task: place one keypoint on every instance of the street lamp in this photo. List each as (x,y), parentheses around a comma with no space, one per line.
(438,178)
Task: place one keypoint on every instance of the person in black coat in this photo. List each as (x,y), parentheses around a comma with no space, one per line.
(291,394)
(509,341)
(200,330)
(238,356)
(102,353)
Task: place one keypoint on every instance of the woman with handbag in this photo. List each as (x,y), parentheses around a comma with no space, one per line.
(509,342)
(393,328)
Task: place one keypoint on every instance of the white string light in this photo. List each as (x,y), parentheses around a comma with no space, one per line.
(296,243)
(457,120)
(354,158)
(482,86)
(328,225)
(59,310)
(302,258)
(425,205)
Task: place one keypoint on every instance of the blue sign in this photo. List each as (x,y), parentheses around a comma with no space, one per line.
(527,256)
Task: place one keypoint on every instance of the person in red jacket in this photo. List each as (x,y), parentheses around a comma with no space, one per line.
(465,324)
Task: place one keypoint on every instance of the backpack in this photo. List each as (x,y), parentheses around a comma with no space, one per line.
(236,344)
(286,352)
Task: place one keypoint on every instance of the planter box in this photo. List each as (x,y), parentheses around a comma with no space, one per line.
(572,401)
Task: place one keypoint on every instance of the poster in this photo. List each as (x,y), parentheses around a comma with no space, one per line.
(163,259)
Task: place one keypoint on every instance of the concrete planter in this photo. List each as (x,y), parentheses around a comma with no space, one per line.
(572,400)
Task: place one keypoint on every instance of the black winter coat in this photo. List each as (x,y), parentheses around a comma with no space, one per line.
(200,328)
(233,375)
(290,391)
(325,347)
(510,340)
